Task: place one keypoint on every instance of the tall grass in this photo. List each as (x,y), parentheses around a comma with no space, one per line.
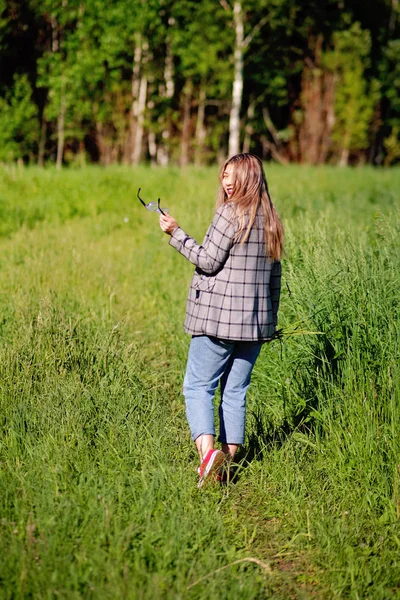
(98,494)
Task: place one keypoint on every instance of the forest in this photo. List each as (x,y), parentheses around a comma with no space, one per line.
(190,81)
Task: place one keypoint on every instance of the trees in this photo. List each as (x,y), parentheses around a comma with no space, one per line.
(193,80)
(390,86)
(202,77)
(19,124)
(354,99)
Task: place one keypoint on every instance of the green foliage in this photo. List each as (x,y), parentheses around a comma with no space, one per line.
(19,125)
(201,52)
(390,74)
(3,23)
(354,98)
(82,66)
(392,146)
(69,70)
(98,494)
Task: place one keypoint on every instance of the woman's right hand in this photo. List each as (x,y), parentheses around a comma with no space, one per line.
(168,224)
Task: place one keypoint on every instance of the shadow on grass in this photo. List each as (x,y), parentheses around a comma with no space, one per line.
(264,437)
(260,442)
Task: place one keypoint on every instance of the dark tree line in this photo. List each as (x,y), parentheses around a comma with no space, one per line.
(182,81)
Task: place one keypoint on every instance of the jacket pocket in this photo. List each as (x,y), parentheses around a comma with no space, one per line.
(204,283)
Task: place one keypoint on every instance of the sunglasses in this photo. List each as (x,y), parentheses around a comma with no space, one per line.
(153,206)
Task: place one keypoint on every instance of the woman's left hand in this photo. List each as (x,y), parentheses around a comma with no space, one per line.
(168,224)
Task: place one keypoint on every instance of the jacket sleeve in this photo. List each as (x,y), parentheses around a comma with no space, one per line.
(275,289)
(212,254)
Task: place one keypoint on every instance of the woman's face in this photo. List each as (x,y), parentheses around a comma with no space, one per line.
(228,180)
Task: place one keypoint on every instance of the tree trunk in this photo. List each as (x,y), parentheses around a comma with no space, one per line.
(185,136)
(152,147)
(104,143)
(249,126)
(139,94)
(317,99)
(42,142)
(344,157)
(276,148)
(141,107)
(169,72)
(327,115)
(61,127)
(135,87)
(167,89)
(82,154)
(237,91)
(200,128)
(55,46)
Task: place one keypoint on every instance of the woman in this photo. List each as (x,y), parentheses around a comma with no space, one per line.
(232,305)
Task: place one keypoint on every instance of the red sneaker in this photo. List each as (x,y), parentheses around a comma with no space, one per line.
(210,465)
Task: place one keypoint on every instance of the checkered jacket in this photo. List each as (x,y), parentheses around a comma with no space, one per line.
(234,294)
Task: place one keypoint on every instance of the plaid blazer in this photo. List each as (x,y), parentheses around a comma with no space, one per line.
(235,290)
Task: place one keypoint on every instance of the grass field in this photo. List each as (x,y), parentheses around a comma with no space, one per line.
(98,494)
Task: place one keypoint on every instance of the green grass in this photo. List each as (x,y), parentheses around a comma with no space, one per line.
(98,494)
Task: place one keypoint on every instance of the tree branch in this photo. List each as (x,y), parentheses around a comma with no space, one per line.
(225,5)
(270,126)
(249,38)
(277,150)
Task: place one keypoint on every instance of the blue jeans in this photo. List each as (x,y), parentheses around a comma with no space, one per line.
(211,361)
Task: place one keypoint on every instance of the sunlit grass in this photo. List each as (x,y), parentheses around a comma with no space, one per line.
(98,494)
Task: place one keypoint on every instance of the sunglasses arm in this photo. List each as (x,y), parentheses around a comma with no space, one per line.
(144,204)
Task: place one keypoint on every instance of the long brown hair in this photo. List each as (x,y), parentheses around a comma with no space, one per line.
(250,193)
